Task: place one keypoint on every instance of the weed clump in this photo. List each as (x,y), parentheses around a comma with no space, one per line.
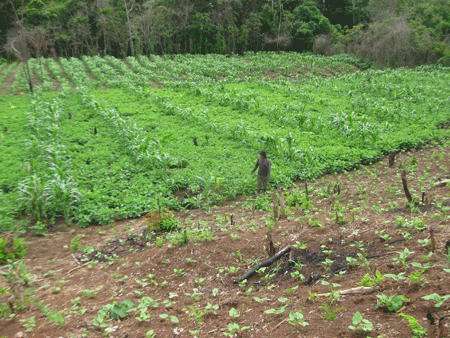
(163,220)
(13,249)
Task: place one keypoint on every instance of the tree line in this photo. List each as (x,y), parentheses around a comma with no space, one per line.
(388,32)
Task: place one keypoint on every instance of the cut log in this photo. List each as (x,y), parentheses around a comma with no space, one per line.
(353,291)
(441,183)
(250,273)
(405,187)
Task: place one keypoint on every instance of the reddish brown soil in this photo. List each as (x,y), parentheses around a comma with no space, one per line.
(372,200)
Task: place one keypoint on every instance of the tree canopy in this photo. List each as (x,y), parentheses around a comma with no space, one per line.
(130,27)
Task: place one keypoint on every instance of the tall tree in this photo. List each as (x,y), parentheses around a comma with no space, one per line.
(129,4)
(18,42)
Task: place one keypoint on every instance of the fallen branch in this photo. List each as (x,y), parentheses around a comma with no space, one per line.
(76,260)
(250,273)
(353,291)
(78,267)
(441,183)
(381,255)
(276,327)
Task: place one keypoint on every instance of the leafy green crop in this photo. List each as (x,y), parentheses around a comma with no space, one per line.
(123,149)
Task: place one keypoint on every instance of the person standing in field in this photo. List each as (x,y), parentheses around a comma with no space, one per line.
(265,166)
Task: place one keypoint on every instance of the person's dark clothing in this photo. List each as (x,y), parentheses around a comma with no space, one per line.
(264,167)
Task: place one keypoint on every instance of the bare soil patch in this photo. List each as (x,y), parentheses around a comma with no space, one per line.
(348,216)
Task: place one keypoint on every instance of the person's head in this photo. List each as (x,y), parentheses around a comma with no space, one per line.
(262,154)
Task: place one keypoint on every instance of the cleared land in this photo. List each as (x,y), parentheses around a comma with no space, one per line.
(104,141)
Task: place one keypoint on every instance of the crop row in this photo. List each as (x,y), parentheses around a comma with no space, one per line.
(7,71)
(49,189)
(56,73)
(349,127)
(143,149)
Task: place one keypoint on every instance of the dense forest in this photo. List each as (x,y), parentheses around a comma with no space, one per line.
(389,32)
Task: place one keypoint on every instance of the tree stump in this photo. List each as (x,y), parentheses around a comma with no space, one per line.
(392,158)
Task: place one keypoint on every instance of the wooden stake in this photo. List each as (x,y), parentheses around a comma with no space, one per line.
(282,206)
(306,191)
(405,187)
(270,247)
(275,206)
(231,219)
(433,243)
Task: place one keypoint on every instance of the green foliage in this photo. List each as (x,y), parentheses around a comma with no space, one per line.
(167,223)
(391,303)
(360,324)
(234,329)
(439,299)
(372,281)
(329,313)
(296,319)
(39,228)
(54,316)
(229,106)
(19,249)
(114,311)
(28,323)
(75,243)
(417,329)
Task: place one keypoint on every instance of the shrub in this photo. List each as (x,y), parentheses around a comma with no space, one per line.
(162,221)
(168,223)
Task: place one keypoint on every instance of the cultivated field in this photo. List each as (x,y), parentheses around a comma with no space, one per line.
(119,142)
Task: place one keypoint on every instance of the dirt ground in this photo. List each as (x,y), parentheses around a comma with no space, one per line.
(193,283)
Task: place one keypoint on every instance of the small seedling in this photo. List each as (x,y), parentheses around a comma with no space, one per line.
(296,319)
(281,309)
(392,303)
(173,319)
(361,323)
(179,272)
(439,299)
(330,314)
(235,330)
